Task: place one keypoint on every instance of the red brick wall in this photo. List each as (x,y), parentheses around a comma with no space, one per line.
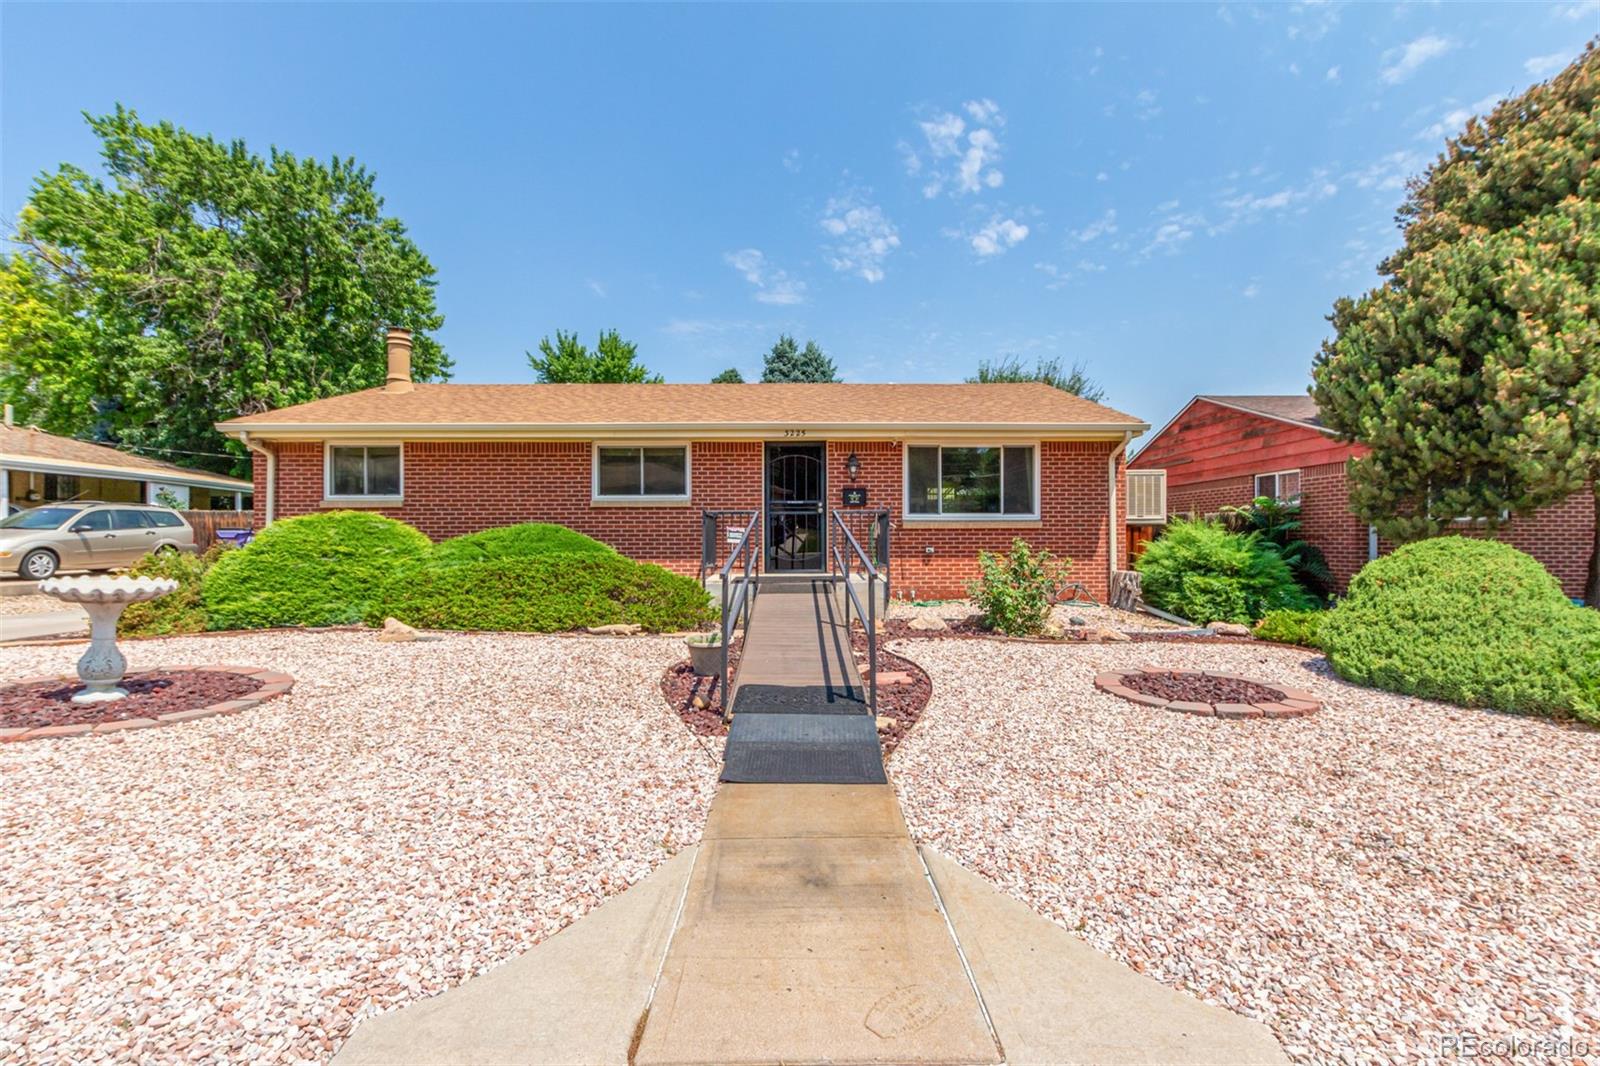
(1211,442)
(453,488)
(1560,536)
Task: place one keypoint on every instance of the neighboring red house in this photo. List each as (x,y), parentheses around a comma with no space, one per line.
(1222,450)
(958,467)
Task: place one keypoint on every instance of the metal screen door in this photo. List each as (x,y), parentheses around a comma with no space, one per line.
(797,532)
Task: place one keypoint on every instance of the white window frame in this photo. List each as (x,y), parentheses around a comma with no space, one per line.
(1276,475)
(996,518)
(369,498)
(656,500)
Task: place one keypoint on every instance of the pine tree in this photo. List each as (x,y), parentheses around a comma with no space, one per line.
(1472,373)
(788,362)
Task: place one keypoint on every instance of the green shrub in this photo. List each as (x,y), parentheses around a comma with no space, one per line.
(317,570)
(1278,522)
(1204,573)
(543,594)
(1015,590)
(1473,622)
(515,542)
(180,611)
(1291,627)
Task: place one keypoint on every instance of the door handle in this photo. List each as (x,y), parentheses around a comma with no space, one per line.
(107,536)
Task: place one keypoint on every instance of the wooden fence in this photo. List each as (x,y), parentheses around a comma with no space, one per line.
(206,524)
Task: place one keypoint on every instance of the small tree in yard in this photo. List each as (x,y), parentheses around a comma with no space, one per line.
(1016,590)
(730,376)
(570,361)
(788,362)
(1473,372)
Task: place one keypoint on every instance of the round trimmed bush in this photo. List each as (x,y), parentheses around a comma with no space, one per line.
(1473,622)
(543,594)
(1202,572)
(515,542)
(316,570)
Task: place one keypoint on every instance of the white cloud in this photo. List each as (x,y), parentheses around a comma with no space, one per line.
(1401,63)
(1103,226)
(1451,122)
(772,285)
(864,237)
(1332,75)
(1250,291)
(698,327)
(1313,20)
(1145,106)
(1581,10)
(1544,66)
(1389,172)
(1294,69)
(596,287)
(997,236)
(791,161)
(1170,236)
(958,157)
(1102,176)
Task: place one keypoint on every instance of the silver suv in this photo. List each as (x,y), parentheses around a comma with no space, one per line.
(35,543)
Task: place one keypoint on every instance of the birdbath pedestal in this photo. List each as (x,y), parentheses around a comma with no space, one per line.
(104,599)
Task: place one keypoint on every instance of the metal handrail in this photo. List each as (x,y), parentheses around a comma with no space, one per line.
(739,601)
(709,522)
(869,616)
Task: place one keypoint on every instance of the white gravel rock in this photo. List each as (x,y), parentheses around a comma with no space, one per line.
(1369,881)
(247,888)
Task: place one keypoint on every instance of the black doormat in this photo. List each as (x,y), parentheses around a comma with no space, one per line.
(803,749)
(799,699)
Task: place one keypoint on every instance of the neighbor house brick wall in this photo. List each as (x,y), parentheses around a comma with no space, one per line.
(459,487)
(1559,536)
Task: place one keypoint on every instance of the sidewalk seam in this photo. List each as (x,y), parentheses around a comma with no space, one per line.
(961,952)
(661,967)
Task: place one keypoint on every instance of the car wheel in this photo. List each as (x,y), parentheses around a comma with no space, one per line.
(38,564)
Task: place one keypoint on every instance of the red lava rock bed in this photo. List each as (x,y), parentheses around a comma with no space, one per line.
(1208,693)
(901,702)
(41,704)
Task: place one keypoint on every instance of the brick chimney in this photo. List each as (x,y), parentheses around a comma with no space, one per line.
(398,342)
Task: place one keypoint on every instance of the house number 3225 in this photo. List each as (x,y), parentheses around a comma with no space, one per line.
(794,433)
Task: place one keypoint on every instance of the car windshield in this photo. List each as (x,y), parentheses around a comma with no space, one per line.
(40,518)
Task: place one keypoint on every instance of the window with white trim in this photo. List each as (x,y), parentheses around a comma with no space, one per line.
(641,473)
(1283,485)
(356,471)
(972,481)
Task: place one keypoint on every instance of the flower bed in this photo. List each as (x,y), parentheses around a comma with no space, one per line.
(41,707)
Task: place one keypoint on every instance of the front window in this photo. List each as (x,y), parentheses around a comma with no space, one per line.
(364,470)
(641,473)
(1283,486)
(40,518)
(968,481)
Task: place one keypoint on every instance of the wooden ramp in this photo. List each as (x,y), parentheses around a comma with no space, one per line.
(800,713)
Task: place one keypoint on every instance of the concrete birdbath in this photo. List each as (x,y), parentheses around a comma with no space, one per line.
(104,599)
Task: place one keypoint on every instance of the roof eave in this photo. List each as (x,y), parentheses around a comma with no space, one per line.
(681,430)
(42,464)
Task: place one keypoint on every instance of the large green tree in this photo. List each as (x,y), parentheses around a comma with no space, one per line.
(1010,369)
(787,361)
(196,281)
(730,376)
(569,361)
(1472,373)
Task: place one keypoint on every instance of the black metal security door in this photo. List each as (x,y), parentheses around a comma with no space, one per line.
(797,493)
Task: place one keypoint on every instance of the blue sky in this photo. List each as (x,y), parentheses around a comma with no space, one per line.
(1174,195)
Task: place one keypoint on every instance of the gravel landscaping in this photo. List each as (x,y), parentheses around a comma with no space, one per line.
(247,888)
(1370,882)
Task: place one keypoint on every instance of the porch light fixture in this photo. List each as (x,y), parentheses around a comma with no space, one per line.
(852,466)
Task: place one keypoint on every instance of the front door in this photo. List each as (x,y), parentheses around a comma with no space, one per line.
(797,491)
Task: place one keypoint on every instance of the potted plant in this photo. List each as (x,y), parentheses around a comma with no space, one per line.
(705,653)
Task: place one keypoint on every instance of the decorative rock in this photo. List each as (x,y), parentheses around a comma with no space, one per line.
(617,629)
(885,723)
(1076,622)
(1112,636)
(891,677)
(699,703)
(928,624)
(397,632)
(1229,629)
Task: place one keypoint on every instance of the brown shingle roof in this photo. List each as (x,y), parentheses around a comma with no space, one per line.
(1301,408)
(726,406)
(28,443)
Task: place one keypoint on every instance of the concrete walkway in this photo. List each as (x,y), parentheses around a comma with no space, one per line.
(808,928)
(41,625)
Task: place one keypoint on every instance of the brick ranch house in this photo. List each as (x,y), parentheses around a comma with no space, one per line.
(959,468)
(1227,450)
